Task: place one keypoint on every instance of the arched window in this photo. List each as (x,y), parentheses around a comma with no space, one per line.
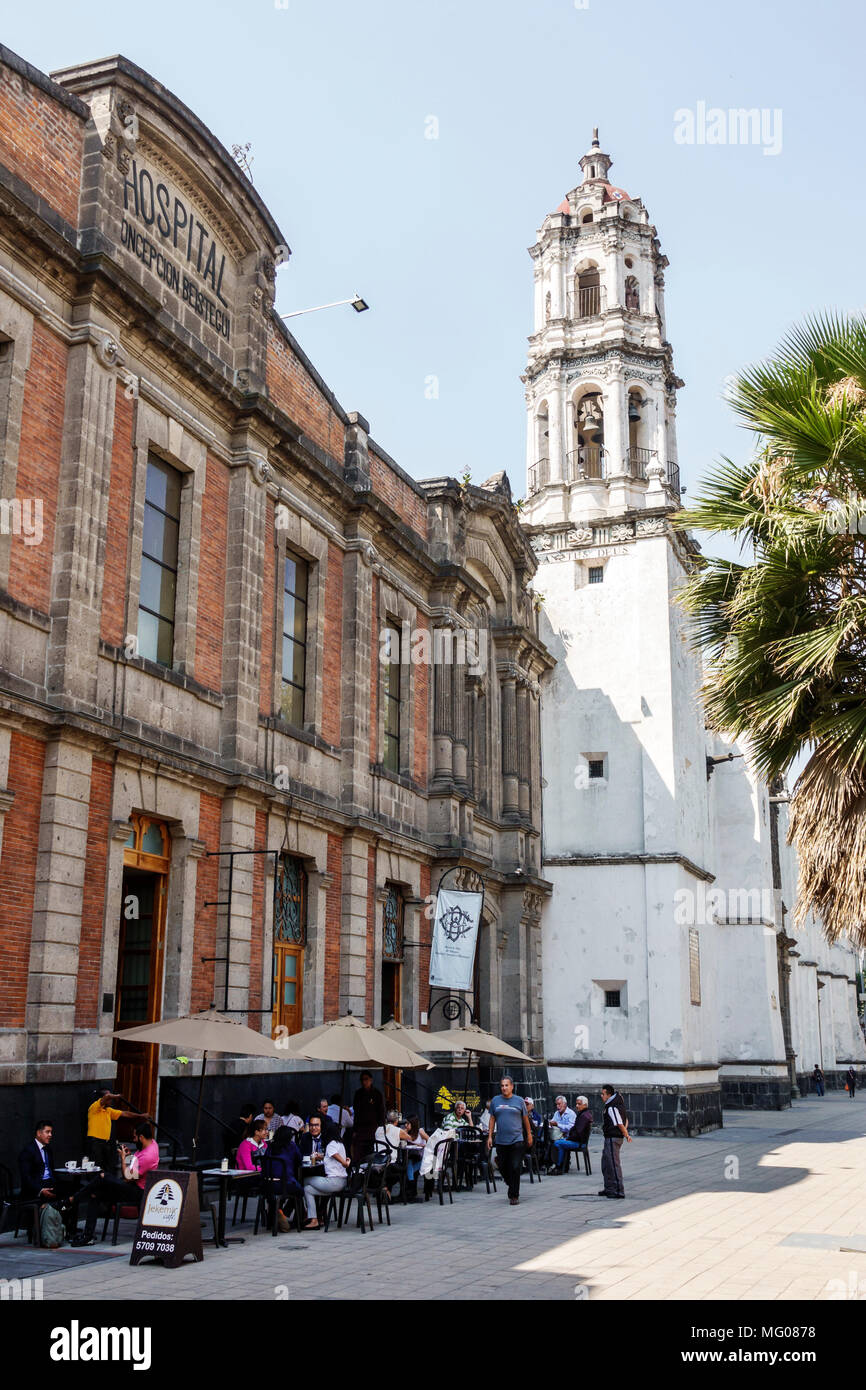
(539,471)
(586,459)
(639,455)
(587,293)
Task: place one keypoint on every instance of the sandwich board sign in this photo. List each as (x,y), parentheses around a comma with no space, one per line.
(168,1221)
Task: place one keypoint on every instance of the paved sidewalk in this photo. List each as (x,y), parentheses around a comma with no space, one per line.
(763,1209)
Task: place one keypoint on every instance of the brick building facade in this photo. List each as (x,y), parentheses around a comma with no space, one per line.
(229,622)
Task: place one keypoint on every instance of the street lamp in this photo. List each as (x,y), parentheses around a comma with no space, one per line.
(358,303)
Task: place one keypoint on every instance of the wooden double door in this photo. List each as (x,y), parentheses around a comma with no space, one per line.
(141,959)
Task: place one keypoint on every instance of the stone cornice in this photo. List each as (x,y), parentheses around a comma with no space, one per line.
(614,860)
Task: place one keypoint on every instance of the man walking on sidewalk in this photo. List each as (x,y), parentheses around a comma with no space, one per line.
(614,1130)
(509,1128)
(851,1078)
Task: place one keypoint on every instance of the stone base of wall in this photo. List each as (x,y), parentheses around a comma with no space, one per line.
(756,1093)
(674,1112)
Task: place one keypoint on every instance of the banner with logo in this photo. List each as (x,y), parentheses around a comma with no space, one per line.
(455,933)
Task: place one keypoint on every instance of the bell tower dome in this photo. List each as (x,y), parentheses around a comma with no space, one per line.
(600,383)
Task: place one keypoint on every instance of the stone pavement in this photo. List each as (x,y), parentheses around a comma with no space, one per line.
(771,1207)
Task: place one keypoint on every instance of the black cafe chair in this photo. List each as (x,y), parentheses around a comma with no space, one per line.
(24,1211)
(271,1199)
(365,1182)
(445,1179)
(470,1156)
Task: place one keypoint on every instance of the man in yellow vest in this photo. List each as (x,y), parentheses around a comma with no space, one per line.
(100,1117)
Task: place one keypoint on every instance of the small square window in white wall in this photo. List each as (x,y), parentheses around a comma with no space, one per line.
(596,574)
(158,590)
(612,999)
(595,768)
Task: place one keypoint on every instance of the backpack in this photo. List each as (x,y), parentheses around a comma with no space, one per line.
(51,1230)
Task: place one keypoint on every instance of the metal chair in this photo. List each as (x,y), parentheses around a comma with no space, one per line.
(16,1207)
(445,1175)
(268,1194)
(470,1157)
(367,1178)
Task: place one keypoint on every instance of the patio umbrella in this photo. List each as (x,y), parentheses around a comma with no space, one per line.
(209,1031)
(471,1039)
(412,1038)
(355,1044)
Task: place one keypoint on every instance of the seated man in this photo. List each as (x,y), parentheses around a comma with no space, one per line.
(312,1145)
(577,1137)
(37,1172)
(36,1166)
(536,1120)
(561,1121)
(339,1114)
(458,1117)
(129,1189)
(321,1110)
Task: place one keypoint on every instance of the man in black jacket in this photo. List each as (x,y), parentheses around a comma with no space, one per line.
(313,1144)
(36,1165)
(614,1129)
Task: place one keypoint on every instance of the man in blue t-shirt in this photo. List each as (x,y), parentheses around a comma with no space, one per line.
(509,1130)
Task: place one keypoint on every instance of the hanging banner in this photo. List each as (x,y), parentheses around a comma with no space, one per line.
(455,932)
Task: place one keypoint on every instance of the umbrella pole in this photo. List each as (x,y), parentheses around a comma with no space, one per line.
(466,1082)
(198,1107)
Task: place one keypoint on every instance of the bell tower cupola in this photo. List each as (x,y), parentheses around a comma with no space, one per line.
(600,382)
(595,163)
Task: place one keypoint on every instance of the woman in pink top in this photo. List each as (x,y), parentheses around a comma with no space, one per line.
(254,1143)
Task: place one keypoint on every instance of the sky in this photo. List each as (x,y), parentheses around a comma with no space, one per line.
(339,100)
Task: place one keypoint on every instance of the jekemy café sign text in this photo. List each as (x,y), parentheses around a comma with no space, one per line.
(164,233)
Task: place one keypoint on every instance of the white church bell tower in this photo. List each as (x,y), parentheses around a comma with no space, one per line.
(668,967)
(624,747)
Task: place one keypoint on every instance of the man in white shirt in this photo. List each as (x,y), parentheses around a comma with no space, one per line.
(341,1117)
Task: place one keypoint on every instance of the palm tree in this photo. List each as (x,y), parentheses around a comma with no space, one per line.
(783,629)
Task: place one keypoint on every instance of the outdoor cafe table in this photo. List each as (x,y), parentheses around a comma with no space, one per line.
(224,1174)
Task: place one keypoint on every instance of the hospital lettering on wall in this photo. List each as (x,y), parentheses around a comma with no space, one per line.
(164,233)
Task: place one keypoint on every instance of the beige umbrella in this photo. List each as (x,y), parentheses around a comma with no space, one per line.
(412,1038)
(474,1039)
(354,1043)
(209,1031)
